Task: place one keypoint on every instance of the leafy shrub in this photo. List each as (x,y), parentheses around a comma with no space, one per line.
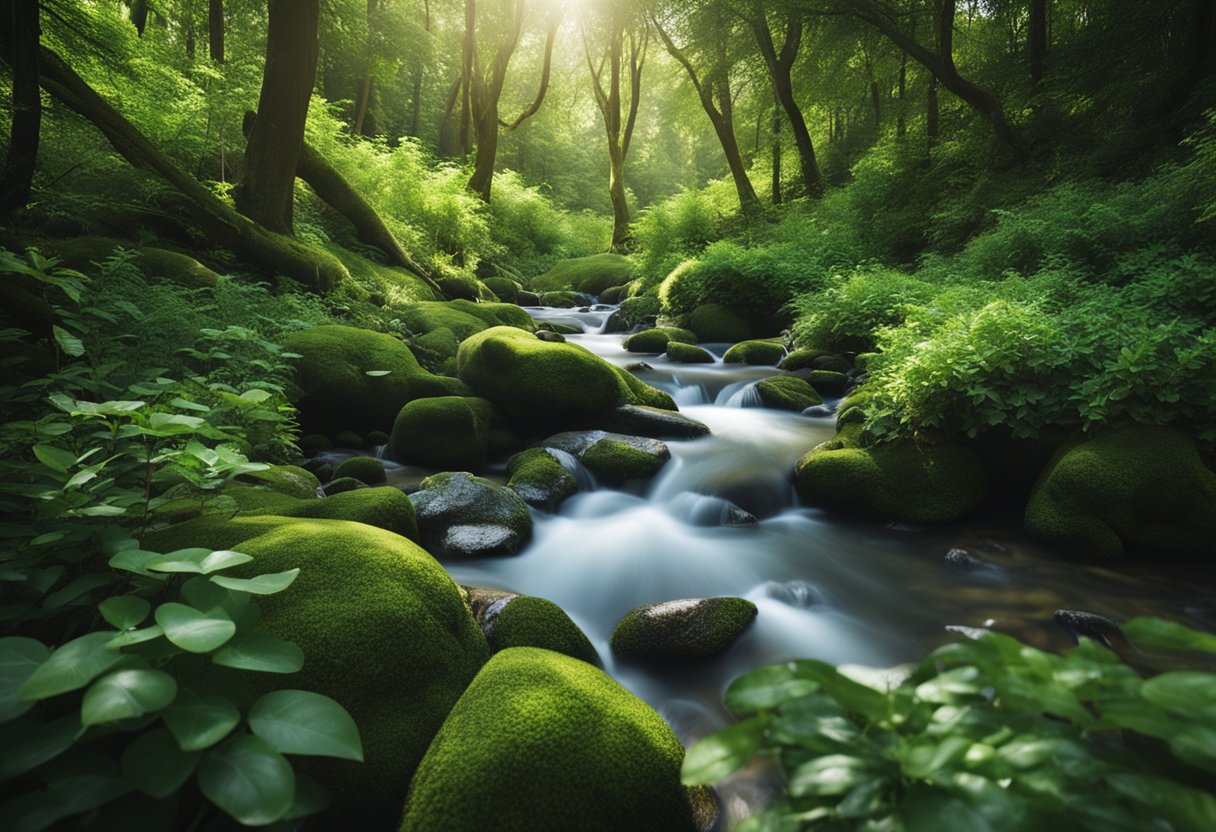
(679,227)
(851,309)
(986,733)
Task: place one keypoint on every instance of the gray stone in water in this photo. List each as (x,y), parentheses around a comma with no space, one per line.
(1091,625)
(616,323)
(460,515)
(548,335)
(798,594)
(641,420)
(960,560)
(819,410)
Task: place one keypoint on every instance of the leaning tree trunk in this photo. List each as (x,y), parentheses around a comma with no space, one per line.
(270,252)
(139,16)
(485,122)
(20,47)
(273,150)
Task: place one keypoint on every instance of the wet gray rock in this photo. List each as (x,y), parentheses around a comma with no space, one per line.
(548,335)
(526,298)
(641,420)
(613,456)
(460,515)
(819,410)
(1091,625)
(690,628)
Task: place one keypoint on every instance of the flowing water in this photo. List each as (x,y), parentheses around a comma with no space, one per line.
(826,588)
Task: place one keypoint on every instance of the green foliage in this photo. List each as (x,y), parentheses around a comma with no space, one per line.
(986,733)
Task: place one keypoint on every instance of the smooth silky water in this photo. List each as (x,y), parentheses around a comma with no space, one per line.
(826,588)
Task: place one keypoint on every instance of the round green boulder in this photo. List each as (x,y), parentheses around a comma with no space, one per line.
(365,469)
(787,393)
(540,479)
(688,354)
(504,288)
(1139,490)
(591,275)
(655,340)
(690,628)
(541,742)
(460,515)
(339,485)
(510,620)
(448,432)
(715,323)
(286,479)
(759,353)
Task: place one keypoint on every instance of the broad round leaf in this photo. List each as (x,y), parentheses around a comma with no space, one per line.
(260,651)
(261,585)
(28,745)
(72,666)
(189,629)
(124,611)
(126,693)
(302,722)
(1190,692)
(136,560)
(768,687)
(19,657)
(155,764)
(199,721)
(723,753)
(137,636)
(249,780)
(197,561)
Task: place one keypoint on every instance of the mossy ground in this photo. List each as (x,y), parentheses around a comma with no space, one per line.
(591,275)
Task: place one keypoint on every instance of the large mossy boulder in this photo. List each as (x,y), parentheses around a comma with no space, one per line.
(759,353)
(385,632)
(290,480)
(504,288)
(448,432)
(366,469)
(157,263)
(510,620)
(682,353)
(541,742)
(715,323)
(540,479)
(463,317)
(615,457)
(384,507)
(690,628)
(589,275)
(548,384)
(357,379)
(1138,490)
(787,393)
(463,516)
(656,339)
(902,481)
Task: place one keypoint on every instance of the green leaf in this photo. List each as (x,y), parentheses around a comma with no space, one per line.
(249,780)
(124,694)
(136,560)
(722,753)
(199,721)
(1191,692)
(310,798)
(28,745)
(1159,634)
(197,561)
(261,585)
(832,774)
(54,458)
(72,666)
(302,722)
(155,764)
(132,637)
(19,657)
(78,587)
(194,631)
(768,687)
(124,611)
(377,373)
(68,343)
(260,651)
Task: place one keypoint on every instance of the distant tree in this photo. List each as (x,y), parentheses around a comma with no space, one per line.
(19,48)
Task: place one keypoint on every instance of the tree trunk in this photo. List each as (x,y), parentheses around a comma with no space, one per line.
(139,16)
(469,49)
(485,122)
(901,124)
(776,154)
(273,150)
(215,30)
(21,52)
(270,252)
(416,103)
(1036,40)
(448,144)
(363,96)
(933,126)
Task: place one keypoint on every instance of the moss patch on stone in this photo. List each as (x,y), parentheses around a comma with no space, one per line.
(460,515)
(618,460)
(800,359)
(1138,490)
(563,300)
(450,432)
(540,479)
(385,508)
(526,621)
(541,742)
(688,353)
(691,628)
(590,275)
(715,323)
(758,353)
(286,479)
(366,469)
(339,485)
(787,393)
(655,340)
(504,288)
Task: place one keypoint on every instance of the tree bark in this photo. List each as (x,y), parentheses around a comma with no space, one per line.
(20,49)
(776,153)
(139,16)
(780,66)
(363,93)
(1036,41)
(215,30)
(273,150)
(468,54)
(448,144)
(416,104)
(933,127)
(270,252)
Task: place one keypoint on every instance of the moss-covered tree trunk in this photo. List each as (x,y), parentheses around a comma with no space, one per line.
(19,45)
(273,150)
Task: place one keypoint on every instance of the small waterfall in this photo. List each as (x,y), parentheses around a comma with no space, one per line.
(582,475)
(739,394)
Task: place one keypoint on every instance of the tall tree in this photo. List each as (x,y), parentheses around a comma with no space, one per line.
(363,93)
(19,46)
(273,150)
(1036,40)
(622,27)
(139,16)
(780,64)
(215,30)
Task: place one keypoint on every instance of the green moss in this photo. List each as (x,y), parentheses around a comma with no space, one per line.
(450,432)
(525,621)
(254,500)
(560,329)
(639,310)
(286,479)
(655,340)
(436,350)
(692,628)
(156,263)
(459,286)
(341,484)
(827,382)
(563,300)
(852,411)
(760,353)
(540,479)
(801,359)
(787,393)
(1135,491)
(376,438)
(460,515)
(315,443)
(336,391)
(463,317)
(590,275)
(900,481)
(714,323)
(397,286)
(688,353)
(541,742)
(385,508)
(363,468)
(349,439)
(545,384)
(618,460)
(504,288)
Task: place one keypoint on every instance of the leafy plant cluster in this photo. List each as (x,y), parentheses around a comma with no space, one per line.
(986,734)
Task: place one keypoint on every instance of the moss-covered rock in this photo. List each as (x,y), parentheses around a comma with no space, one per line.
(463,317)
(759,353)
(337,391)
(564,300)
(541,742)
(375,438)
(349,440)
(540,479)
(639,420)
(385,507)
(787,393)
(504,288)
(457,286)
(688,353)
(800,359)
(613,294)
(510,620)
(715,323)
(157,263)
(827,382)
(546,384)
(655,340)
(339,485)
(436,350)
(691,628)
(558,328)
(286,479)
(589,275)
(903,481)
(396,286)
(451,432)
(613,456)
(366,469)
(639,311)
(460,515)
(315,443)
(385,632)
(1138,490)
